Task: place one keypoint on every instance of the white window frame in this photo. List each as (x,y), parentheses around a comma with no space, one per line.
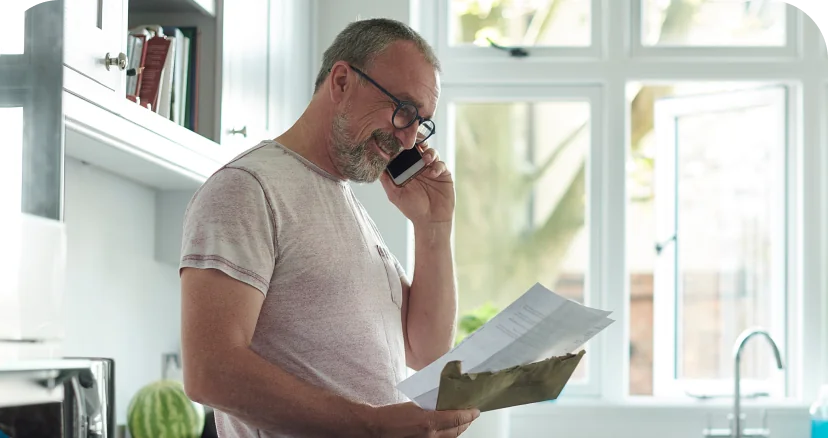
(15,35)
(667,289)
(803,64)
(445,134)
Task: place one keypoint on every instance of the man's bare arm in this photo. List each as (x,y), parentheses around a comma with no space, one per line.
(218,318)
(430,302)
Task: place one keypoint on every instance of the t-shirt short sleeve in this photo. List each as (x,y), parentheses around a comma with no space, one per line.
(230,226)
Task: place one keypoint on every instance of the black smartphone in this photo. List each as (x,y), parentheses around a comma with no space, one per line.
(405,166)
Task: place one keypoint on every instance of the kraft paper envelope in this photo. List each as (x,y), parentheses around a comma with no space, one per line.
(499,356)
(519,385)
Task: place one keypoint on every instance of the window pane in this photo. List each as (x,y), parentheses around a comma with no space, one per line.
(729,221)
(12,130)
(713,23)
(12,34)
(728,217)
(521,193)
(521,22)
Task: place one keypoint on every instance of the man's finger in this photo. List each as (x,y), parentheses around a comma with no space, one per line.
(438,169)
(430,155)
(445,420)
(454,432)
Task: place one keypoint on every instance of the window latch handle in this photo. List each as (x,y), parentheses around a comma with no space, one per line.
(661,245)
(516,52)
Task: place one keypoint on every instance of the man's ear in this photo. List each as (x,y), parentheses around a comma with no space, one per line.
(338,84)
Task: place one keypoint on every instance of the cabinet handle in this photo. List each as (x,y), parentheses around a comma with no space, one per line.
(120,61)
(242,131)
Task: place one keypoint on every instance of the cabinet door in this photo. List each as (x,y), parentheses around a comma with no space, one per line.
(245,69)
(94,28)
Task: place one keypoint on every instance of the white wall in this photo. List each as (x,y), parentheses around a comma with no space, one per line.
(293,83)
(120,302)
(330,17)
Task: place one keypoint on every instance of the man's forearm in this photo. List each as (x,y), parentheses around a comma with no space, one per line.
(263,395)
(432,301)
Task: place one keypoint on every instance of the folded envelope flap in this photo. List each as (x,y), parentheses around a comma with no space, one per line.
(519,385)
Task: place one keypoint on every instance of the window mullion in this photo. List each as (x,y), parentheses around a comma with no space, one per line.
(610,163)
(806,277)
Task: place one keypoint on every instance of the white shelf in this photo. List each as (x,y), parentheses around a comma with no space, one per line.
(16,392)
(128,140)
(206,7)
(24,382)
(19,366)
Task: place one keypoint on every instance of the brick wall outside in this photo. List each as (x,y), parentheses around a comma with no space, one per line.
(706,305)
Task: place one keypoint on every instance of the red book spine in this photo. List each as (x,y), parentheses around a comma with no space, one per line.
(156,56)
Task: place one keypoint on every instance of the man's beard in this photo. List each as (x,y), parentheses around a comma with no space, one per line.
(358,161)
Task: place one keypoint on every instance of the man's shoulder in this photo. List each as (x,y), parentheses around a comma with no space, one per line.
(269,167)
(272,163)
(263,160)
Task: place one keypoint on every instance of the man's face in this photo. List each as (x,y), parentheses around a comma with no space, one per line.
(364,136)
(358,160)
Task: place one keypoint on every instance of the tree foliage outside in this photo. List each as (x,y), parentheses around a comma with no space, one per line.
(473,320)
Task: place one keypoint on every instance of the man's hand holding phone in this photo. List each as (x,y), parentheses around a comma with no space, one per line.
(420,185)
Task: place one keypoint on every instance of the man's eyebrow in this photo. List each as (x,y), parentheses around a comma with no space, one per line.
(408,98)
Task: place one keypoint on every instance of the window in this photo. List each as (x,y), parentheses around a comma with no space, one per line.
(713,23)
(11,166)
(704,121)
(703,28)
(12,34)
(714,209)
(523,212)
(473,28)
(521,22)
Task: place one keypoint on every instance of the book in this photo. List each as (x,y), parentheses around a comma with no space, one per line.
(193,69)
(162,72)
(158,48)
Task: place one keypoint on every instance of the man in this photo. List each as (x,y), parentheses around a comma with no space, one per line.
(296,319)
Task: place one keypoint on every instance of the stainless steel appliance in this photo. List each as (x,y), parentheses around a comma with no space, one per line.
(36,399)
(89,401)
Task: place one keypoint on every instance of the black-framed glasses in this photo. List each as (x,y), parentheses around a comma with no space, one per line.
(405,114)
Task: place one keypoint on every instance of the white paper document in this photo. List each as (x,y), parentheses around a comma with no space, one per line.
(539,325)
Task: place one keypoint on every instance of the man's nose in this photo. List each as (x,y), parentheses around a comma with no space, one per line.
(408,136)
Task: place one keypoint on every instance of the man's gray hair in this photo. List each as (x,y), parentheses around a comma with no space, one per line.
(361,41)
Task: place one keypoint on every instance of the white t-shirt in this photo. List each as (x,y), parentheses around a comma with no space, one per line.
(332,309)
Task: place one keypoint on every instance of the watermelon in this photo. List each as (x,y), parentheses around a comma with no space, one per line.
(162,410)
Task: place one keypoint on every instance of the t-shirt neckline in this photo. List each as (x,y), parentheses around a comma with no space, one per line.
(308,163)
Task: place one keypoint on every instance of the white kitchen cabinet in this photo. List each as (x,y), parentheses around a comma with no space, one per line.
(93,31)
(254,78)
(247,106)
(246,89)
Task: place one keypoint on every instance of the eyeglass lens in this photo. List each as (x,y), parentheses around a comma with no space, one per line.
(406,114)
